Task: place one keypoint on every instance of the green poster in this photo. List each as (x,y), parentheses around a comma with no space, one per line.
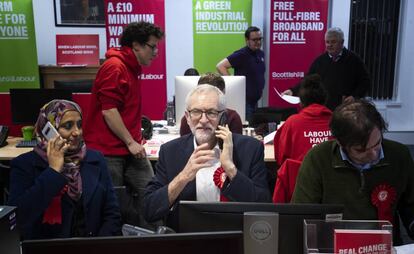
(218,28)
(18,62)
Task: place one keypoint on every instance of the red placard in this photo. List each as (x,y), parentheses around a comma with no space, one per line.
(351,241)
(297,30)
(77,49)
(120,13)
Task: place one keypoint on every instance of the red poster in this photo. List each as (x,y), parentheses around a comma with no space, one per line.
(120,13)
(350,241)
(77,49)
(297,30)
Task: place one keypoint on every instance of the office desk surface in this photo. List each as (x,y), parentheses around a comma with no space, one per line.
(152,147)
(10,151)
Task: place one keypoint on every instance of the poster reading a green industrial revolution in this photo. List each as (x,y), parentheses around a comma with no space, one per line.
(219,28)
(18,63)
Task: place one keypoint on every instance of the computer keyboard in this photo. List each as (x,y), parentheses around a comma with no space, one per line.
(27,143)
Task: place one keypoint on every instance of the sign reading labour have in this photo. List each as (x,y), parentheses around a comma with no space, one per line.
(297,29)
(18,65)
(218,30)
(119,13)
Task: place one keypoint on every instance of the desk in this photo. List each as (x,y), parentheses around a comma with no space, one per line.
(152,147)
(11,151)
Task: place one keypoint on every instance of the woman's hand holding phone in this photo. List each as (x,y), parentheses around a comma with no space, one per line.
(56,147)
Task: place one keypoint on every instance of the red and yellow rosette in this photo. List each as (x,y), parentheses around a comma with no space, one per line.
(53,213)
(383,197)
(219,177)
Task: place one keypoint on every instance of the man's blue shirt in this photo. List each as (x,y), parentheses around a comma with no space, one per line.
(250,64)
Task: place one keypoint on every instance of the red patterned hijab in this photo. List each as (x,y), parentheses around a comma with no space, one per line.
(53,112)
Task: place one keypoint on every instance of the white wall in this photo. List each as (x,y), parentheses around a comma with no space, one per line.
(398,113)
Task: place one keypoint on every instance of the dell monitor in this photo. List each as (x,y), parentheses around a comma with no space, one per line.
(26,103)
(235,94)
(190,243)
(219,216)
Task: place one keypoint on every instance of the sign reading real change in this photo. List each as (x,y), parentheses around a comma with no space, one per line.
(18,65)
(219,28)
(297,31)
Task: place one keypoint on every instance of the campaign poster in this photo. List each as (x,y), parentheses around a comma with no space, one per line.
(18,65)
(297,30)
(218,30)
(119,13)
(77,49)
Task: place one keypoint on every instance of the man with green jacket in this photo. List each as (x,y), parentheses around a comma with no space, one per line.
(372,177)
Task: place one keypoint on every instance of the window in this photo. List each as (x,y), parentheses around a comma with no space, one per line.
(373,36)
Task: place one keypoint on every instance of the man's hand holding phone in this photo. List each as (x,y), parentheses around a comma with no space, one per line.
(226,157)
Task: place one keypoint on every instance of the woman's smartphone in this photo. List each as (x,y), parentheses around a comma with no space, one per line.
(49,131)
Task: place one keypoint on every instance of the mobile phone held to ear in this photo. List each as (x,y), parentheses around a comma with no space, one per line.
(49,131)
(222,122)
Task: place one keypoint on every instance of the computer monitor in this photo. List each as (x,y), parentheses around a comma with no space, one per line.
(235,94)
(26,103)
(201,217)
(201,243)
(76,86)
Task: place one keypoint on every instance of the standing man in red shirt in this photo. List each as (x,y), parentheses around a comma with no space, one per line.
(113,125)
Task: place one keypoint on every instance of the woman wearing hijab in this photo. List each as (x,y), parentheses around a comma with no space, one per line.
(61,188)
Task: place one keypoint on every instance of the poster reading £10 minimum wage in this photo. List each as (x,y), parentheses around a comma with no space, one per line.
(18,63)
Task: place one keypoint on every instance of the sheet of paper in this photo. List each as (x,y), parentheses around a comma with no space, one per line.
(73,65)
(288,98)
(405,249)
(269,137)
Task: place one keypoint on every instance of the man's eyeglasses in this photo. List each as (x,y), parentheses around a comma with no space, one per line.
(210,114)
(257,39)
(153,48)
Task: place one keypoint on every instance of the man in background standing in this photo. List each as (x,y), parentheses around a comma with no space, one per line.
(249,62)
(113,125)
(343,73)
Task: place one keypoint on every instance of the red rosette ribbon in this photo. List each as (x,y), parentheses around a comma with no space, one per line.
(53,213)
(383,197)
(219,177)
